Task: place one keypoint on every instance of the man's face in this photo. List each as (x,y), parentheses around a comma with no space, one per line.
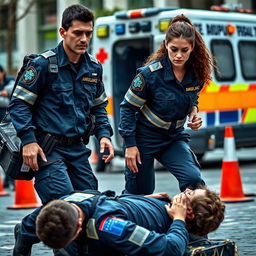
(77,38)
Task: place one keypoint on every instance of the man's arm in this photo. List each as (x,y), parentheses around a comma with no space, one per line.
(129,238)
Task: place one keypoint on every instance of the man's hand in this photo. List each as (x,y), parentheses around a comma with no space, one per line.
(132,156)
(4,93)
(194,120)
(30,152)
(105,145)
(178,209)
(159,195)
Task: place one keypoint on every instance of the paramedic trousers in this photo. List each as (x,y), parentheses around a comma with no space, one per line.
(173,152)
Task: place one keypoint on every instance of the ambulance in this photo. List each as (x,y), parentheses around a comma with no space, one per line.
(122,42)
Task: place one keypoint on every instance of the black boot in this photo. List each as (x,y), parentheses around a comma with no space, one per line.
(21,247)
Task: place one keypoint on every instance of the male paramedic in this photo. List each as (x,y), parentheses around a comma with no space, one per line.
(129,224)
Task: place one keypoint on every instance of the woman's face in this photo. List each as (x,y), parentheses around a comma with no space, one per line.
(179,50)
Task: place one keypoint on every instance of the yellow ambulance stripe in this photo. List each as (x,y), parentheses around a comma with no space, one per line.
(229,97)
(249,116)
(239,87)
(212,87)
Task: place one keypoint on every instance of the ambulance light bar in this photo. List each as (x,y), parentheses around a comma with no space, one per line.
(140,13)
(102,31)
(230,8)
(163,25)
(120,29)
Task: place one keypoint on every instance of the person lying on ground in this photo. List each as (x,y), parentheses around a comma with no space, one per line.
(129,224)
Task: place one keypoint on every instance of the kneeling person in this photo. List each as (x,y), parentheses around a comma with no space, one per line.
(129,224)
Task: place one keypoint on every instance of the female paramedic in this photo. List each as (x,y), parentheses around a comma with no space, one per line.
(153,112)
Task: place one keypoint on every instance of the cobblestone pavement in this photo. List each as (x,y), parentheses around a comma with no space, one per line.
(239,224)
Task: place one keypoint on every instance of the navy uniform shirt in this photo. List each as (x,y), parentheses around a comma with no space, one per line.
(61,106)
(134,225)
(160,101)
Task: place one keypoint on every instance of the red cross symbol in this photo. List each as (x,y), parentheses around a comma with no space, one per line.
(102,55)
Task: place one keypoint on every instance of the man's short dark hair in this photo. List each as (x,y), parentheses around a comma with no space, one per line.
(56,224)
(76,12)
(1,68)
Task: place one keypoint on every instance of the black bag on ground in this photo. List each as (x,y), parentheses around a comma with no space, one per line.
(212,247)
(10,145)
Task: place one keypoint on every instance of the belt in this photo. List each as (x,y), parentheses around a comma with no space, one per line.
(63,140)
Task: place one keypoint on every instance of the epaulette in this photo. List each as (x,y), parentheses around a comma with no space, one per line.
(92,58)
(155,66)
(48,54)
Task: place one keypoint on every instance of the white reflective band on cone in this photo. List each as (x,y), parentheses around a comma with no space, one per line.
(229,150)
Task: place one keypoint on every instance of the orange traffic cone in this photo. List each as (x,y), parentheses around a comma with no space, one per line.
(25,196)
(231,185)
(94,157)
(2,192)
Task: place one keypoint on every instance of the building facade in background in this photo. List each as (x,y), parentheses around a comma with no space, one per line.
(38,30)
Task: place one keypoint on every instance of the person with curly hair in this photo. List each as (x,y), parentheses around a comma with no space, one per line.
(129,224)
(155,108)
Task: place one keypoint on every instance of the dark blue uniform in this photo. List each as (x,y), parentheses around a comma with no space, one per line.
(153,114)
(134,225)
(60,107)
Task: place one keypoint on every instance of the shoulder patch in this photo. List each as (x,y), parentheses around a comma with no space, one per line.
(78,197)
(139,235)
(113,225)
(138,83)
(156,66)
(48,54)
(92,58)
(29,75)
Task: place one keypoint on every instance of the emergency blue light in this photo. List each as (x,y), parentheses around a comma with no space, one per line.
(134,27)
(120,29)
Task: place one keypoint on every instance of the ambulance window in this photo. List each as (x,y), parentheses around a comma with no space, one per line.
(128,55)
(223,53)
(247,52)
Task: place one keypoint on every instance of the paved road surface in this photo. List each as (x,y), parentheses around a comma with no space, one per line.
(239,224)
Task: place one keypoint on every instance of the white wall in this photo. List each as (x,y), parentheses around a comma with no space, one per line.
(111,4)
(26,32)
(165,3)
(61,6)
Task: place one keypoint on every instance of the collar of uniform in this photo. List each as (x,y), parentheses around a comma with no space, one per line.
(168,73)
(62,56)
(188,78)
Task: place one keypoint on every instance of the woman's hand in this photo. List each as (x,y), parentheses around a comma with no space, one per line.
(132,156)
(194,120)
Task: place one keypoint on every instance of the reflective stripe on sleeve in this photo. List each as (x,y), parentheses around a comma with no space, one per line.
(155,120)
(25,95)
(134,99)
(103,97)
